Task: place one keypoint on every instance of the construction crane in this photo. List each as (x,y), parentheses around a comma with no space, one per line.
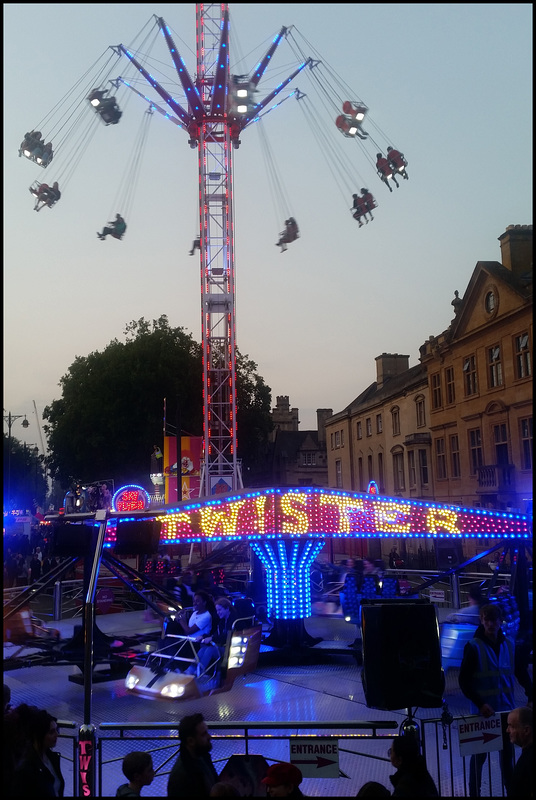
(219,107)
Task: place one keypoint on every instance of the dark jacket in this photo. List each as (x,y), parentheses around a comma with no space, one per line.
(487,671)
(192,777)
(414,781)
(522,783)
(125,791)
(223,626)
(32,779)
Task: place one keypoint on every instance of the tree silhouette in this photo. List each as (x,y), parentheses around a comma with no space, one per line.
(111,411)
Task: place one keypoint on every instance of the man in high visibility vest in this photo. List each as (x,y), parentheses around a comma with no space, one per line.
(487,679)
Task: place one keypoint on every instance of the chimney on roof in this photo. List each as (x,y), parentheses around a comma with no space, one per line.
(516,249)
(322,415)
(388,365)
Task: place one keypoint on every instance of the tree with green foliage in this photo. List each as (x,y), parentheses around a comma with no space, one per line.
(111,411)
(24,472)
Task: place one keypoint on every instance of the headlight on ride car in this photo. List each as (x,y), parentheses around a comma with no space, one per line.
(131,681)
(172,690)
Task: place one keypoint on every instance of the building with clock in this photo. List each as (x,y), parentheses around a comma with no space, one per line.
(456,428)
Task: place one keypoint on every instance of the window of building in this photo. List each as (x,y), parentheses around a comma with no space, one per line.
(337,439)
(342,438)
(495,377)
(500,439)
(469,376)
(395,417)
(338,473)
(360,475)
(522,356)
(437,400)
(526,442)
(380,471)
(423,467)
(398,471)
(379,423)
(309,459)
(412,471)
(490,302)
(359,430)
(368,426)
(450,386)
(475,449)
(370,470)
(420,411)
(441,458)
(455,470)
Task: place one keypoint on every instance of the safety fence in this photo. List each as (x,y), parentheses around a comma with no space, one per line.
(360,749)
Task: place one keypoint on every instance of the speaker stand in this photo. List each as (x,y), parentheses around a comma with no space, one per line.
(410,727)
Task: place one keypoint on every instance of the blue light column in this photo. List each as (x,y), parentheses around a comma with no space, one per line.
(288,575)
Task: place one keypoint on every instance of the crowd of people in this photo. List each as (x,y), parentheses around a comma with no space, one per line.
(26,560)
(32,768)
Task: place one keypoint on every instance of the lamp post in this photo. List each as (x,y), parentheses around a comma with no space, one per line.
(32,452)
(10,419)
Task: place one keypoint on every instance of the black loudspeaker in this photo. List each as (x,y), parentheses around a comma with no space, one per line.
(137,537)
(72,540)
(401,655)
(449,553)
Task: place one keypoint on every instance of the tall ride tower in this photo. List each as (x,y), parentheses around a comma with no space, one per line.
(220,106)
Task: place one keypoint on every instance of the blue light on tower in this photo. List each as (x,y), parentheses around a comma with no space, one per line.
(288,575)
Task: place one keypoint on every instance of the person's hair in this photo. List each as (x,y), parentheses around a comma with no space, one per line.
(475,593)
(526,716)
(40,725)
(224,602)
(406,748)
(187,726)
(491,612)
(373,789)
(207,599)
(134,763)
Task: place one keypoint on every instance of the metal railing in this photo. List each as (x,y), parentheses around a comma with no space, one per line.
(269,739)
(364,751)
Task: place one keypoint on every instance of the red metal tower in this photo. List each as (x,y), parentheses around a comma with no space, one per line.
(220,106)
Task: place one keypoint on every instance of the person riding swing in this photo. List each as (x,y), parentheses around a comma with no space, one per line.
(117,228)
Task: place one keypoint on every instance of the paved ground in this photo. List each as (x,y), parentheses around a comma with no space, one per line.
(317,693)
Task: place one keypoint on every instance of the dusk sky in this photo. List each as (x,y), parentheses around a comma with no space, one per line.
(448,84)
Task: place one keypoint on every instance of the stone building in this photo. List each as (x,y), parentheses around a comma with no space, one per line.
(480,385)
(298,458)
(383,434)
(456,428)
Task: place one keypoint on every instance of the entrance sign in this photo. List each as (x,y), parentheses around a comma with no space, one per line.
(480,735)
(316,758)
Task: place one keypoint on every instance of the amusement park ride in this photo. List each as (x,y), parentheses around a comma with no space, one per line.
(285,528)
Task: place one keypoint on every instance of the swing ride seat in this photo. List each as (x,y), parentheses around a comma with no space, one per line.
(34,190)
(34,159)
(109,112)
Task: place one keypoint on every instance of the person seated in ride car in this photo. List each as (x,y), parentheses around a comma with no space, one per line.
(213,646)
